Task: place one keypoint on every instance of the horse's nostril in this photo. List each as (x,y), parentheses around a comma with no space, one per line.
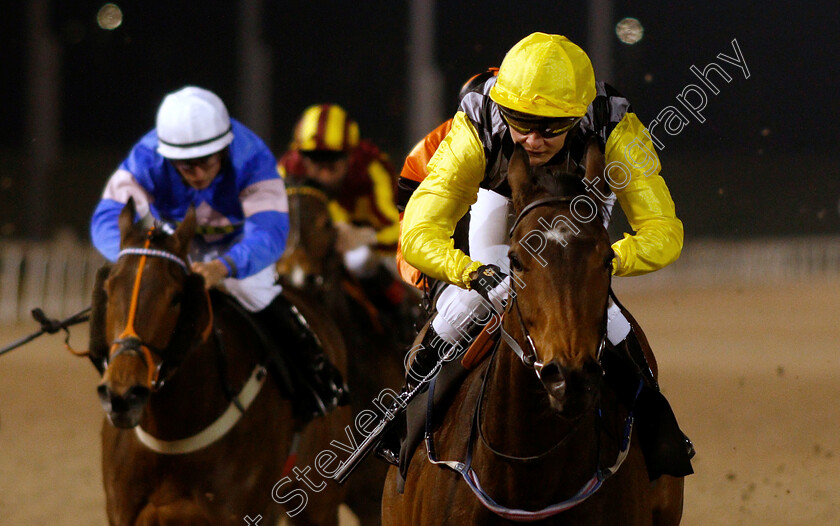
(593,369)
(550,372)
(104,396)
(134,398)
(137,395)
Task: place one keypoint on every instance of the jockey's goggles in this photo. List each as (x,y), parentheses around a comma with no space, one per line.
(546,127)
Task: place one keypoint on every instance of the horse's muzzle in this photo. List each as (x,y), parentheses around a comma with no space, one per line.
(572,391)
(123,410)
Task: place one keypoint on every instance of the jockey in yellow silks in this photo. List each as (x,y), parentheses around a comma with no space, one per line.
(545,83)
(545,98)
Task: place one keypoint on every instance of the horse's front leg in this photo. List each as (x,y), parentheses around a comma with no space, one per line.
(667,500)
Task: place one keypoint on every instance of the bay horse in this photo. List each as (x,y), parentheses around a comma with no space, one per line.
(533,433)
(197,432)
(311,265)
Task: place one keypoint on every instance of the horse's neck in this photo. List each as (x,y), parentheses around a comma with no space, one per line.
(192,398)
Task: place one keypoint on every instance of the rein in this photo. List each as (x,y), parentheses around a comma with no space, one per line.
(529,359)
(130,341)
(470,476)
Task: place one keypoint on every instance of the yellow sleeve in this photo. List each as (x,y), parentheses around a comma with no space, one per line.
(383,194)
(633,174)
(455,173)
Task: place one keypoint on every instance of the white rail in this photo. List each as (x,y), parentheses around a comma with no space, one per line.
(756,261)
(57,276)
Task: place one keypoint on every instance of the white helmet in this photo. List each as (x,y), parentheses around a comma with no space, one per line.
(192,122)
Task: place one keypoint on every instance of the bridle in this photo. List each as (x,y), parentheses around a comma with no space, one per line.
(530,359)
(129,341)
(295,235)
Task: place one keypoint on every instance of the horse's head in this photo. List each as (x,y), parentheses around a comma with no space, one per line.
(560,260)
(312,237)
(154,308)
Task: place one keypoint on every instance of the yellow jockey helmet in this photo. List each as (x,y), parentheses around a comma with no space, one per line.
(325,128)
(545,76)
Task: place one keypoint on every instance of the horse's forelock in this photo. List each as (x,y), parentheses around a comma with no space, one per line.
(559,184)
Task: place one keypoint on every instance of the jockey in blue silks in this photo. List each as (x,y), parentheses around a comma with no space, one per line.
(197,155)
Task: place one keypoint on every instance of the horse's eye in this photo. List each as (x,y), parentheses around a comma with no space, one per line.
(176,299)
(515,264)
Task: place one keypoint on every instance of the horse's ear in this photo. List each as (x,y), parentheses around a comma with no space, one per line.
(185,232)
(594,164)
(126,220)
(520,178)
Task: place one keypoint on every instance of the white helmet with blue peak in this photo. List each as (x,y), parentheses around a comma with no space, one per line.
(191,123)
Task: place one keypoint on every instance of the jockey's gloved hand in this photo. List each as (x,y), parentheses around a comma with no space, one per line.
(491,284)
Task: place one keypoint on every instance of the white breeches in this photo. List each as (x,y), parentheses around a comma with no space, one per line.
(255,292)
(460,310)
(363,262)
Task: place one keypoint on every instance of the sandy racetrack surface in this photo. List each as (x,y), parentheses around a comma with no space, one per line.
(753,374)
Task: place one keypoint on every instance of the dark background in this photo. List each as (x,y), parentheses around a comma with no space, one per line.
(763,164)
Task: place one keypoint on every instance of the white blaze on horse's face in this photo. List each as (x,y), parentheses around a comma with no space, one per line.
(560,234)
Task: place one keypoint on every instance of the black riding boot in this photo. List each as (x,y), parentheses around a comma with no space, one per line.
(319,386)
(426,357)
(631,348)
(667,450)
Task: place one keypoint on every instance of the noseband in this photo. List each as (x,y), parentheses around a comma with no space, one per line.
(129,341)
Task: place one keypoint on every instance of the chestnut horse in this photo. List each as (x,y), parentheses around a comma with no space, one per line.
(311,265)
(197,432)
(553,446)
